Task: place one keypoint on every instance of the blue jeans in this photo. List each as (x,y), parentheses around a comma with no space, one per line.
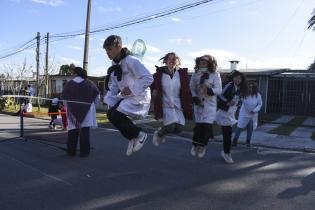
(249,128)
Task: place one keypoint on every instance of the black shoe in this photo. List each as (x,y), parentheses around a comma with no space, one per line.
(84,155)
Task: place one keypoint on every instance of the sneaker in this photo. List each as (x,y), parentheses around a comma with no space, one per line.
(157,139)
(130,147)
(201,152)
(193,151)
(50,126)
(139,141)
(227,157)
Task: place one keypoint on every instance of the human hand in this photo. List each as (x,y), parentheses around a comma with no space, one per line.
(126,91)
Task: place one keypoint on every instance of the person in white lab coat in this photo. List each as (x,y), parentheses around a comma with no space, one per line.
(128,94)
(227,106)
(172,97)
(80,95)
(205,85)
(248,116)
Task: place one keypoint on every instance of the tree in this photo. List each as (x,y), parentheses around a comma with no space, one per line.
(66,69)
(312,66)
(311,21)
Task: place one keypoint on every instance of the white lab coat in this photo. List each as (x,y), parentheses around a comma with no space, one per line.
(249,104)
(90,118)
(227,118)
(207,112)
(138,79)
(172,108)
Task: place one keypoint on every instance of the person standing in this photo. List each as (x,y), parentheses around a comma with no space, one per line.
(227,106)
(172,97)
(80,96)
(128,95)
(248,116)
(205,85)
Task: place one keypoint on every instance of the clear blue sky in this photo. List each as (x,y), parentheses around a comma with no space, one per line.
(259,33)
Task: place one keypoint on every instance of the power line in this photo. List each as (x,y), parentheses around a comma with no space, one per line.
(69,35)
(139,20)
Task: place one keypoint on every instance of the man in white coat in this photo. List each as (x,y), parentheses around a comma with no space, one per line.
(128,95)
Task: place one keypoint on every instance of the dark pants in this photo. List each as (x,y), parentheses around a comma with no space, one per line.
(52,117)
(227,138)
(202,133)
(123,123)
(171,128)
(73,136)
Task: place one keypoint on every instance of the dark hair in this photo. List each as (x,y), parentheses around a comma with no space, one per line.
(254,90)
(212,63)
(244,85)
(165,57)
(112,40)
(80,72)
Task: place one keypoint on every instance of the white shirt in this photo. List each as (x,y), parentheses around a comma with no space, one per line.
(207,112)
(251,105)
(138,79)
(172,108)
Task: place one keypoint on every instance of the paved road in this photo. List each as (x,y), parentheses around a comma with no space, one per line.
(38,175)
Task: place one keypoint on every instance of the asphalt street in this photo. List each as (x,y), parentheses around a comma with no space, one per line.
(38,175)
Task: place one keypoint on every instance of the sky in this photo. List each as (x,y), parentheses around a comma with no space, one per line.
(259,33)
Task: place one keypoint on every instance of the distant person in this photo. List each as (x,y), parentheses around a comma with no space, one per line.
(248,116)
(80,96)
(63,121)
(25,108)
(227,106)
(52,112)
(128,94)
(205,85)
(172,97)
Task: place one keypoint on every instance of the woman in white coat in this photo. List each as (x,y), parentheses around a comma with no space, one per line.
(248,116)
(172,97)
(205,85)
(227,106)
(129,93)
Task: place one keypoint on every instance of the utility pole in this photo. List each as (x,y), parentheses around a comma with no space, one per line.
(46,66)
(87,37)
(37,68)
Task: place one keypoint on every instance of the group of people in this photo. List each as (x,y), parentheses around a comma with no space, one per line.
(130,86)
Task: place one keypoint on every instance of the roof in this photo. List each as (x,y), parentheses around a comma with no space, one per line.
(257,72)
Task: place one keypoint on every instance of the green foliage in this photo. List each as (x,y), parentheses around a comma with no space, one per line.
(6,102)
(66,69)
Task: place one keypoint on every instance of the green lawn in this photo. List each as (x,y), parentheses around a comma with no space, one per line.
(288,128)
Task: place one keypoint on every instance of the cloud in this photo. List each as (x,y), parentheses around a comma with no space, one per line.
(75,47)
(69,60)
(151,59)
(175,19)
(109,9)
(152,49)
(218,54)
(232,2)
(180,41)
(53,3)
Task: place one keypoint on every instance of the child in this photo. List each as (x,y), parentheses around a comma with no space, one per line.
(248,116)
(205,85)
(227,106)
(53,108)
(129,93)
(172,97)
(63,120)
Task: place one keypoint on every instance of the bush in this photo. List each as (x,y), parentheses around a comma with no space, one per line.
(6,102)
